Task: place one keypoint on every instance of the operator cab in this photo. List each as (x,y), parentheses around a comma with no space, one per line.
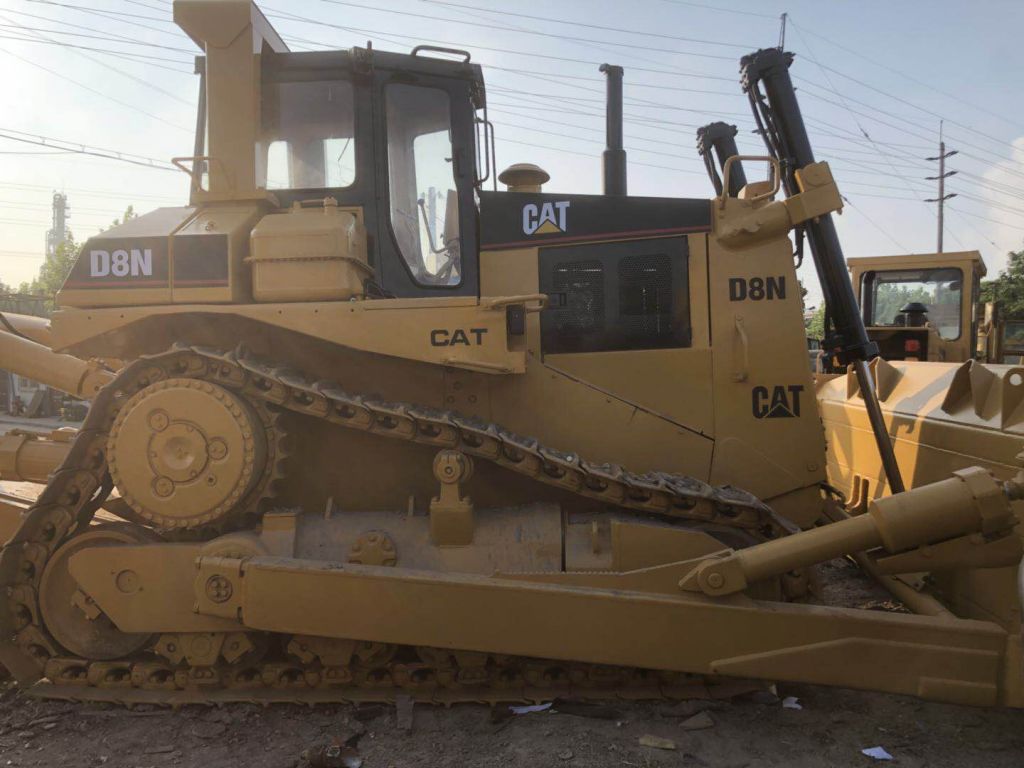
(920,306)
(389,133)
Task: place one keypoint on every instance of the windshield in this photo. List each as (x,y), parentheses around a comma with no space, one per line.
(307,137)
(884,294)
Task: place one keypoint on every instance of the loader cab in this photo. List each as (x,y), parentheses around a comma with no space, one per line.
(920,306)
(391,135)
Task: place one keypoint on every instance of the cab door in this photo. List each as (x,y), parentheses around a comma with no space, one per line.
(427,230)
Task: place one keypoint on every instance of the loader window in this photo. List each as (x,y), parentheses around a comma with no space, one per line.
(885,292)
(307,139)
(421,179)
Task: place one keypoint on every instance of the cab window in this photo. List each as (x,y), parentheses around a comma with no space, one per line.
(884,293)
(424,205)
(307,140)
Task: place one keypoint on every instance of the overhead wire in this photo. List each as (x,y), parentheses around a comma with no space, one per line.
(874,61)
(635,104)
(126,55)
(691,4)
(85,149)
(853,114)
(90,89)
(120,195)
(288,16)
(535,33)
(875,224)
(149,84)
(105,34)
(586,25)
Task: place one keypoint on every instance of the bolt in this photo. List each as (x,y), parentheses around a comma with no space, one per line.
(159,421)
(218,449)
(218,588)
(715,580)
(163,486)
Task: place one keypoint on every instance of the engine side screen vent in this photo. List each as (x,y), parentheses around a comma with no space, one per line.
(615,296)
(576,319)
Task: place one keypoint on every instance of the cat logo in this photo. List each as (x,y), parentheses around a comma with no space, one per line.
(782,402)
(545,219)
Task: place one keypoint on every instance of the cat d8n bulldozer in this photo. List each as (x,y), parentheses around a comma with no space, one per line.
(379,429)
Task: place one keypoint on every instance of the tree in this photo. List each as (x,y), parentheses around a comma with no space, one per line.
(815,324)
(1008,287)
(129,213)
(55,268)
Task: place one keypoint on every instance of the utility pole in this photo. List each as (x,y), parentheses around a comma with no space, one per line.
(941,178)
(782,31)
(58,229)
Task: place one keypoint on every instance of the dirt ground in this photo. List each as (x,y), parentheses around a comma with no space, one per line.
(831,730)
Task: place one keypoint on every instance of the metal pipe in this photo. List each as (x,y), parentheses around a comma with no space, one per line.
(866,382)
(31,327)
(64,372)
(920,603)
(30,458)
(614,155)
(720,138)
(786,135)
(970,502)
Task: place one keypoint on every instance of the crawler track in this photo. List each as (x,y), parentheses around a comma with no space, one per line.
(282,670)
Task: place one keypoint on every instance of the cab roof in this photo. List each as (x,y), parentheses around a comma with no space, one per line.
(919,260)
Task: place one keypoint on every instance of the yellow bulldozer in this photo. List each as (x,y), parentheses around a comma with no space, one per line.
(379,429)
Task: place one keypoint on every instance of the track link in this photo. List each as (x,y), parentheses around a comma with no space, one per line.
(80,486)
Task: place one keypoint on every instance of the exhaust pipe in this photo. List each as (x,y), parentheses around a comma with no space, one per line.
(721,137)
(614,154)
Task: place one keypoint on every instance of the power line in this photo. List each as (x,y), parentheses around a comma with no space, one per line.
(275,14)
(875,224)
(853,114)
(142,58)
(913,79)
(574,23)
(104,33)
(144,5)
(84,149)
(73,209)
(922,109)
(148,84)
(115,15)
(535,33)
(90,192)
(720,9)
(32,152)
(896,127)
(985,218)
(90,89)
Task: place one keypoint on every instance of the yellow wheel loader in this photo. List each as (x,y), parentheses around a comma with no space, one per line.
(380,429)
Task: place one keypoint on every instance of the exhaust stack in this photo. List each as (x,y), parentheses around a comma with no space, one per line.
(614,154)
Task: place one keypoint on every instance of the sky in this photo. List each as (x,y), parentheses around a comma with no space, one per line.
(874,79)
